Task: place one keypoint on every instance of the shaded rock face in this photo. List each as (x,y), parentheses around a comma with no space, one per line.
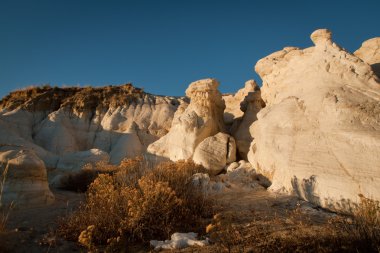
(369,52)
(240,130)
(233,107)
(67,127)
(25,179)
(319,134)
(202,118)
(215,152)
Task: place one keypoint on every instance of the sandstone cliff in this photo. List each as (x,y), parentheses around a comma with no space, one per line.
(68,127)
(369,52)
(319,134)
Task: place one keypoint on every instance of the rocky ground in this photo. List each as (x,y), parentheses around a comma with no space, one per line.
(32,229)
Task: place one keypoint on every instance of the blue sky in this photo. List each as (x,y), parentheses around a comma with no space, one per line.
(163,45)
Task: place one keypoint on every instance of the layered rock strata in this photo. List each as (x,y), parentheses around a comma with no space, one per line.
(319,134)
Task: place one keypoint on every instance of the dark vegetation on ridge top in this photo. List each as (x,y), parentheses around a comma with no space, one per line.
(80,98)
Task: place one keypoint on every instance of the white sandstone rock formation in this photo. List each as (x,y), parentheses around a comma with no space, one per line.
(215,152)
(25,181)
(202,118)
(251,105)
(68,127)
(233,102)
(56,122)
(319,134)
(369,52)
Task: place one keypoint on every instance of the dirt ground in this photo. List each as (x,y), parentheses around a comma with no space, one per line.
(257,209)
(32,229)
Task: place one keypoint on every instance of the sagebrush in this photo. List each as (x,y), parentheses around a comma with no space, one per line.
(137,202)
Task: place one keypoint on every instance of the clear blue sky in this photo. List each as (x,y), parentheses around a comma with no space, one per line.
(163,45)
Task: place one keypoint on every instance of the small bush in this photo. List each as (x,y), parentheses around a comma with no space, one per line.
(138,203)
(365,225)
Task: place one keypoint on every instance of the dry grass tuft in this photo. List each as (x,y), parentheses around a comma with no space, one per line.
(365,225)
(297,232)
(4,209)
(136,202)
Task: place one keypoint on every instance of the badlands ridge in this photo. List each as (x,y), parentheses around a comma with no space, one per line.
(312,129)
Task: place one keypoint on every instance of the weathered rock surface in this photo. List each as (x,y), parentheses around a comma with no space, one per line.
(202,118)
(75,161)
(68,127)
(369,52)
(319,134)
(251,105)
(26,178)
(215,152)
(233,108)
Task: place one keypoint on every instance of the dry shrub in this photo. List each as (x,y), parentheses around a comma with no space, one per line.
(140,203)
(79,181)
(268,234)
(225,233)
(365,225)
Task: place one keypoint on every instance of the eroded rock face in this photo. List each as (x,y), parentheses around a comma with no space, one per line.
(251,105)
(202,118)
(369,52)
(26,180)
(319,134)
(233,108)
(215,152)
(59,121)
(68,127)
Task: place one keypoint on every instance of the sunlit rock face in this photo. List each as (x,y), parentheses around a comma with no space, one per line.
(202,118)
(369,52)
(319,134)
(65,128)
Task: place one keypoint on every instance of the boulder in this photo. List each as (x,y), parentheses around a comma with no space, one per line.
(215,152)
(319,134)
(25,178)
(369,52)
(202,118)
